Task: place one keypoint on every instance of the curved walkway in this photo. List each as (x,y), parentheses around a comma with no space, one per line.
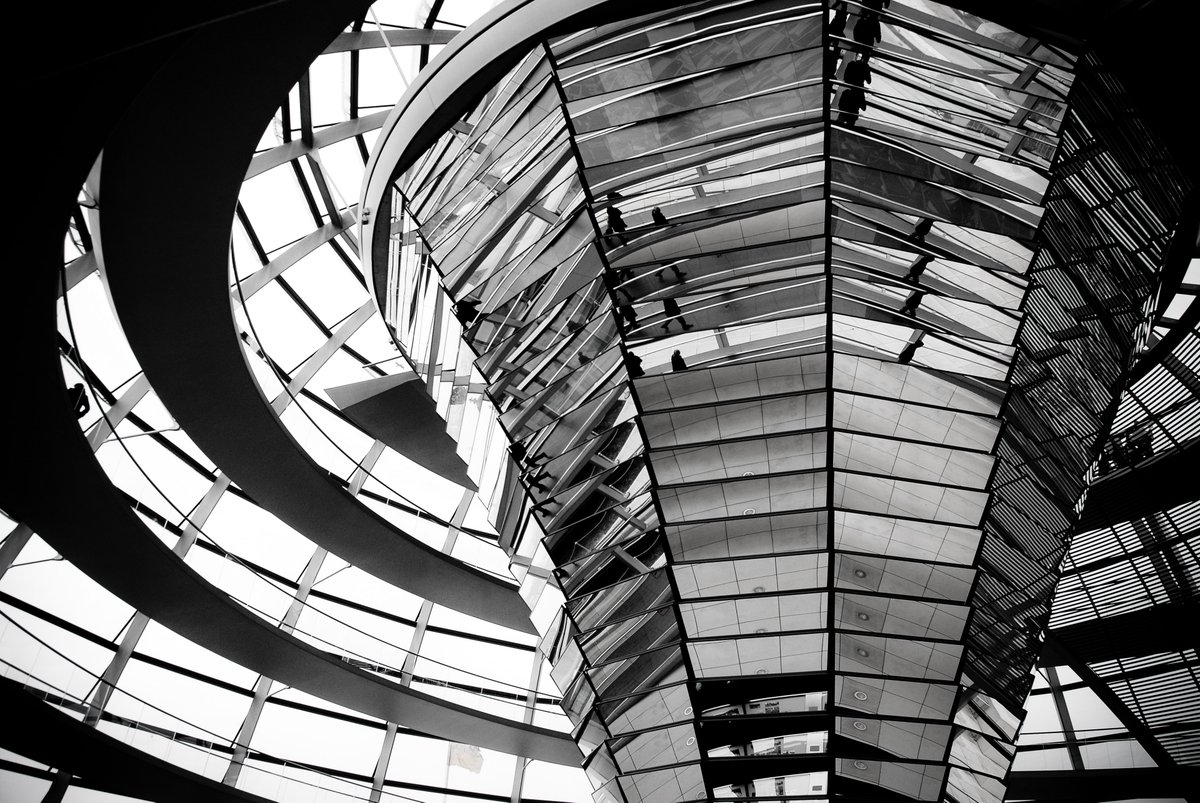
(102,536)
(54,738)
(87,521)
(166,217)
(54,484)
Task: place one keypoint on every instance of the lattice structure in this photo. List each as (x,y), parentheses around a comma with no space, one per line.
(804,344)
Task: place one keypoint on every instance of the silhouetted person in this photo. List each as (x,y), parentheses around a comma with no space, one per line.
(616,223)
(658,217)
(867,30)
(535,481)
(850,105)
(876,5)
(467,310)
(911,303)
(629,315)
(837,27)
(633,364)
(517,450)
(535,478)
(673,313)
(614,280)
(906,356)
(918,267)
(674,266)
(79,400)
(922,229)
(858,72)
(677,362)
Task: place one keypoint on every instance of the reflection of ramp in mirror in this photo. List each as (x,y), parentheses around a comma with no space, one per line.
(397,410)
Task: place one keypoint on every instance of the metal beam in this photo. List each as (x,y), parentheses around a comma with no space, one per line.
(14,542)
(1131,721)
(1064,718)
(282,154)
(262,687)
(381,764)
(403,37)
(1094,786)
(46,735)
(116,414)
(133,633)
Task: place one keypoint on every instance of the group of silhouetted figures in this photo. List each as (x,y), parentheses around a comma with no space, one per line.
(533,474)
(617,281)
(865,35)
(633,363)
(615,225)
(671,310)
(671,313)
(913,301)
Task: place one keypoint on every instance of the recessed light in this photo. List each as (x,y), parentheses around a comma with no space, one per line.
(861,652)
(691,740)
(859,725)
(761,630)
(760,671)
(859,573)
(860,765)
(747,473)
(748,511)
(860,695)
(759,589)
(687,712)
(863,617)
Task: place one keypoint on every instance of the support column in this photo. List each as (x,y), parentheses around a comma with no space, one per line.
(14,542)
(262,688)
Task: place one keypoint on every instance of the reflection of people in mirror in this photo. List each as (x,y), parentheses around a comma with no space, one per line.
(673,313)
(629,315)
(851,104)
(867,31)
(838,26)
(616,222)
(633,364)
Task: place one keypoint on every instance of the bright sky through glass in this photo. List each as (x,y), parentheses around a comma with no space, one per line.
(249,553)
(59,629)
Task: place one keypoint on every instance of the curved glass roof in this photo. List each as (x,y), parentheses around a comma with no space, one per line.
(540,175)
(62,632)
(754,311)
